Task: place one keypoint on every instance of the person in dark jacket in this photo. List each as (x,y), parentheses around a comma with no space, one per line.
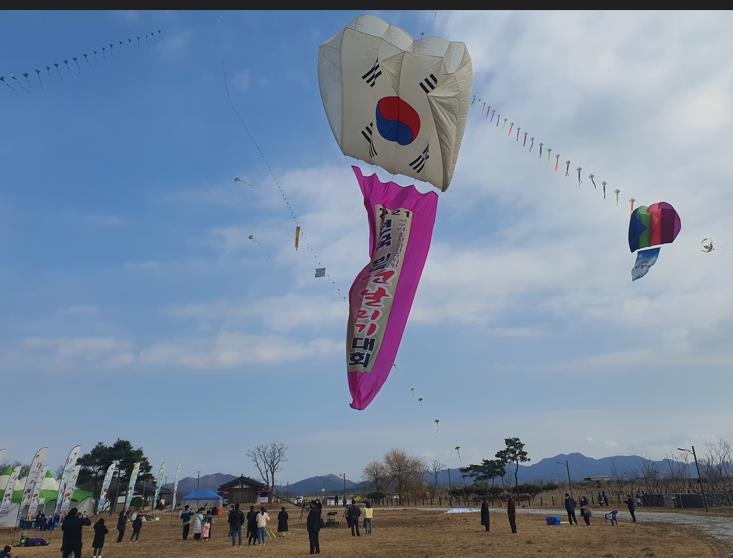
(630,504)
(71,541)
(352,513)
(121,525)
(252,526)
(511,511)
(570,508)
(100,531)
(186,517)
(236,520)
(282,522)
(313,524)
(585,509)
(137,525)
(485,520)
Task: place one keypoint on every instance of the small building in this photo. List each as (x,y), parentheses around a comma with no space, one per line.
(242,490)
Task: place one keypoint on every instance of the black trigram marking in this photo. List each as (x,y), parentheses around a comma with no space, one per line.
(371,76)
(367,133)
(419,163)
(429,83)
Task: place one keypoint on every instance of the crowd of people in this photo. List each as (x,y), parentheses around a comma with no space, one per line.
(255,521)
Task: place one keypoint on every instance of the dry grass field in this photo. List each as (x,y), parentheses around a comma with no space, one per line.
(406,533)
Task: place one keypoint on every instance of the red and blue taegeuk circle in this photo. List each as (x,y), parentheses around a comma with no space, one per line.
(397,120)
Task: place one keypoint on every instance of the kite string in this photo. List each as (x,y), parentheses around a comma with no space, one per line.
(27,86)
(275,179)
(479,103)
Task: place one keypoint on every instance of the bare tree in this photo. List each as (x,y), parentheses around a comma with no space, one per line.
(378,475)
(649,471)
(435,468)
(407,472)
(268,459)
(716,464)
(677,471)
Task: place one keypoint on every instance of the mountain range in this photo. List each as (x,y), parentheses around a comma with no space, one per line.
(549,469)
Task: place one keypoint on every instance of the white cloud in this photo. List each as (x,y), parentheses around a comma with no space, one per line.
(275,314)
(229,350)
(63,353)
(174,45)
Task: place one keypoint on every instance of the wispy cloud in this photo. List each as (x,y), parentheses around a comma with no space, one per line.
(229,350)
(175,43)
(276,314)
(63,353)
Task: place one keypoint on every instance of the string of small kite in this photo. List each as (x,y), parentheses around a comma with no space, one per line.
(23,82)
(541,148)
(489,112)
(321,269)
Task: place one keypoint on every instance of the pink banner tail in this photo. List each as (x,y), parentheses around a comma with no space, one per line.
(401,223)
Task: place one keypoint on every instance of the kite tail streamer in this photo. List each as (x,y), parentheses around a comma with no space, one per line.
(579,179)
(401,221)
(297,236)
(549,151)
(525,135)
(631,202)
(524,143)
(567,167)
(2,78)
(617,191)
(497,120)
(503,126)
(593,181)
(540,150)
(509,133)
(604,188)
(531,144)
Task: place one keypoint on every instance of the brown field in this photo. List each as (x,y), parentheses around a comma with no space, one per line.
(404,533)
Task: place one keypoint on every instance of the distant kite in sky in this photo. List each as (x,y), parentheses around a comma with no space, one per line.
(649,227)
(707,245)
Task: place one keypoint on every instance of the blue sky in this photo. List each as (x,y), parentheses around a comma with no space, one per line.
(137,307)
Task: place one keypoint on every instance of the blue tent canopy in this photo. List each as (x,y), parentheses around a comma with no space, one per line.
(202,494)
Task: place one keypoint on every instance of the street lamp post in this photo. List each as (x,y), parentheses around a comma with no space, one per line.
(699,478)
(567,467)
(344,486)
